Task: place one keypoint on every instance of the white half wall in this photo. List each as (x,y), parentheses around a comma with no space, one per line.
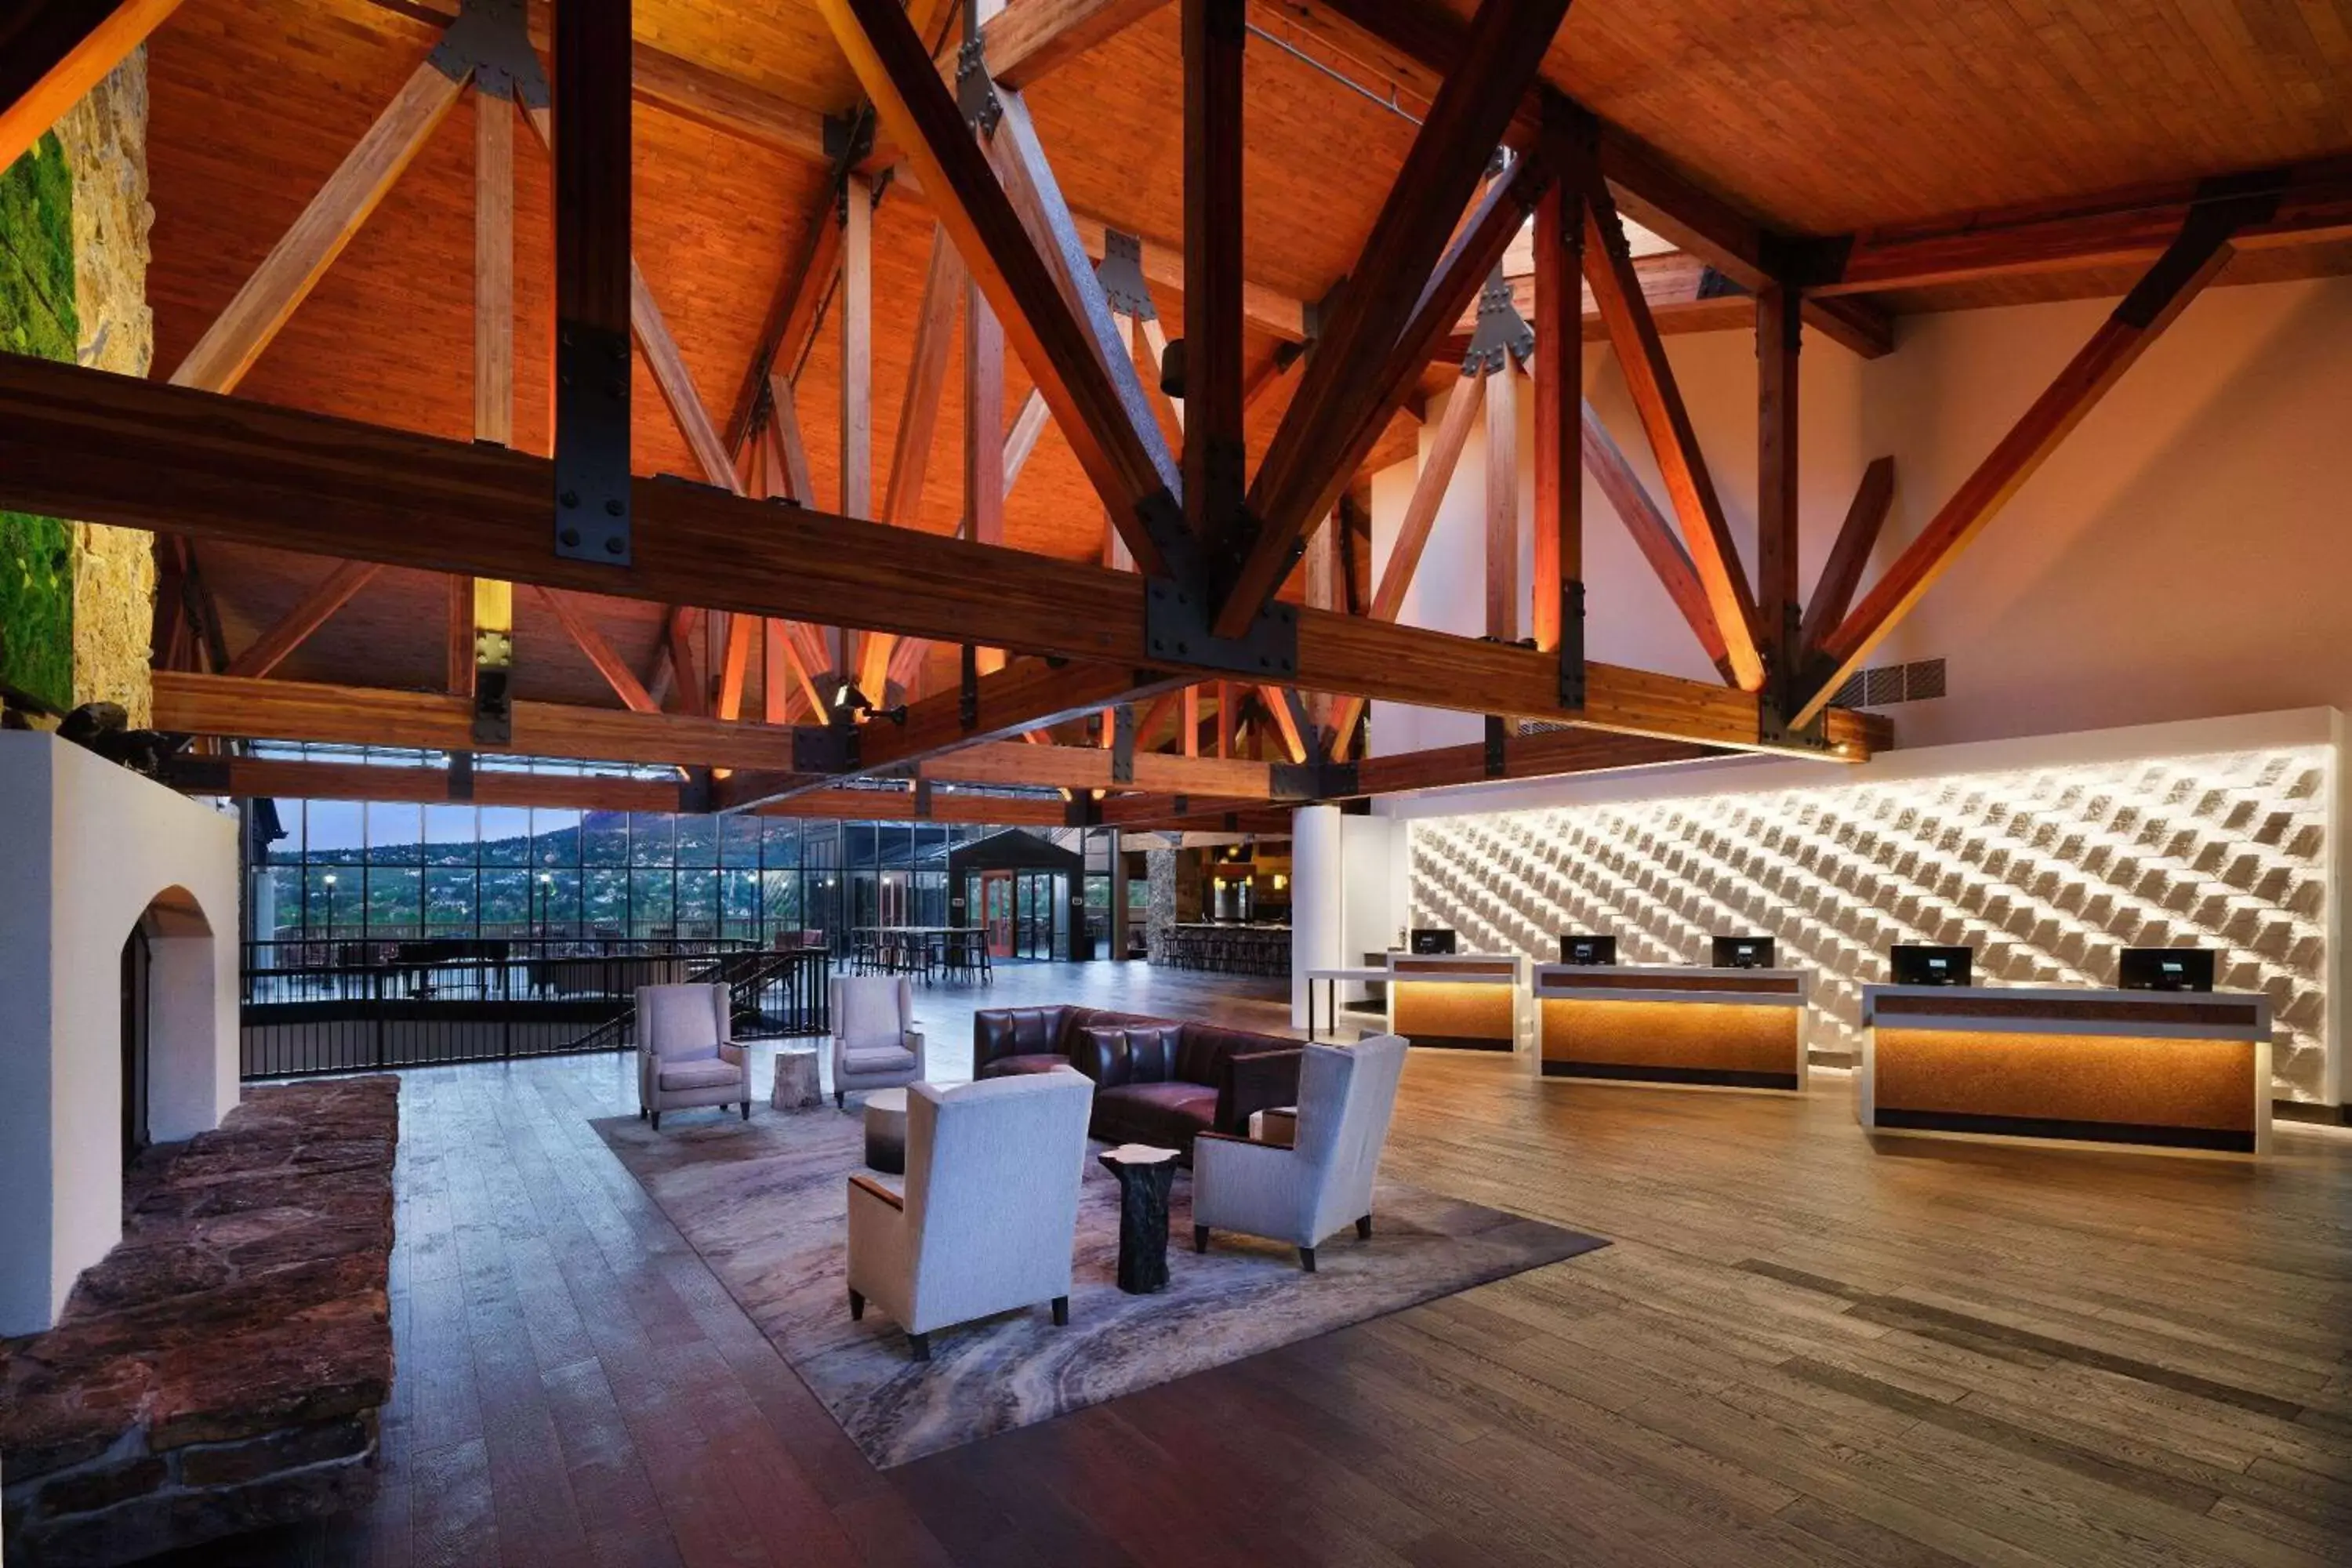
(91,848)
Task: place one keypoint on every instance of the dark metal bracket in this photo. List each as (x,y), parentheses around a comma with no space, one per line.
(1304,783)
(824,748)
(697,792)
(1572,643)
(1083,811)
(493,707)
(1122,744)
(1498,738)
(848,138)
(975,90)
(1502,334)
(591,449)
(461,775)
(1121,273)
(922,800)
(1176,629)
(968,690)
(491,39)
(1773,729)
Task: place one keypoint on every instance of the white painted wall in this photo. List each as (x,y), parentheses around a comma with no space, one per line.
(90,847)
(2186,552)
(1318,898)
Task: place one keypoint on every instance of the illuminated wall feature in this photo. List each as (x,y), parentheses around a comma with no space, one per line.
(2046,872)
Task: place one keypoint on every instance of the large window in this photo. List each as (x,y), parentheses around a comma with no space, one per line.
(346,871)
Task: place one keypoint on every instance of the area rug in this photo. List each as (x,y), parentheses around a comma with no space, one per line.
(764,1202)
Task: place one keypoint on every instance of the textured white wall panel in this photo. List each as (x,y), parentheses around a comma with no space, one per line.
(2047,872)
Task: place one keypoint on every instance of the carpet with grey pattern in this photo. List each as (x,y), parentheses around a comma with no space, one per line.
(764,1202)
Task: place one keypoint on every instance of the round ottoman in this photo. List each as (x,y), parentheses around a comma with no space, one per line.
(886,1131)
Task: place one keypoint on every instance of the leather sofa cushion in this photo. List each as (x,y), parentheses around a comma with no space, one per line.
(1017,1031)
(1025,1062)
(1168,1114)
(699,1072)
(1132,1053)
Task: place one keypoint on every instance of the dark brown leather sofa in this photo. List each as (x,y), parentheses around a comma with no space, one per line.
(1156,1080)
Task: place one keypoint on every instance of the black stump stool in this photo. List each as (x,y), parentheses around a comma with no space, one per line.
(1145,1175)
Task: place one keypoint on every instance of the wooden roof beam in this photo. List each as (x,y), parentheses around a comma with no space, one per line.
(331,593)
(2197,254)
(2128,228)
(980,197)
(1426,42)
(250,472)
(52,52)
(1650,380)
(246,707)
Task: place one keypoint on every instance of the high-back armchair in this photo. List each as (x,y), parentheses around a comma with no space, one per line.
(989,1216)
(1303,1193)
(687,1054)
(875,1042)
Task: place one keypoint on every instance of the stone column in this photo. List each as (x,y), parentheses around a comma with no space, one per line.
(1317,921)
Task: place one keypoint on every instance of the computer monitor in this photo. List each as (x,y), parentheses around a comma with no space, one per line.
(1743,953)
(1913,964)
(1587,950)
(1431,939)
(2165,969)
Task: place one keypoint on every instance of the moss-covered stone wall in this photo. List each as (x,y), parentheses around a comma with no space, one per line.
(105,142)
(77,600)
(38,317)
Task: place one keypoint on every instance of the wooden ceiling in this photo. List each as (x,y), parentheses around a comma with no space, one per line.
(1835,116)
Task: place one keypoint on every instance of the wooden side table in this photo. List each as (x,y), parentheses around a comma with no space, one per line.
(1145,1175)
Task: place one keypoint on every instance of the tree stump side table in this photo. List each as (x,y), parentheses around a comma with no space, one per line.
(1145,1175)
(796,1084)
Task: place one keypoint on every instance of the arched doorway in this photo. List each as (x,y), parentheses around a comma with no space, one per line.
(169,1018)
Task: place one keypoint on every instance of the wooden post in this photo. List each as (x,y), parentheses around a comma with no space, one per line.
(592,280)
(1779,335)
(855,304)
(1558,370)
(1215,458)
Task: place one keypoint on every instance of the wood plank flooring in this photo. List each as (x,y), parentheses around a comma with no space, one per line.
(1802,1350)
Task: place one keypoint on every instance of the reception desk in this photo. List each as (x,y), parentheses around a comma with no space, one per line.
(1469,1001)
(1736,1029)
(2151,1068)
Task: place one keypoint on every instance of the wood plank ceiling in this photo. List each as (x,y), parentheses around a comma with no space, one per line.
(1841,115)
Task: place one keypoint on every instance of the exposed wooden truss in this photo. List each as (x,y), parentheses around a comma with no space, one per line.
(222,467)
(309,612)
(1037,262)
(2198,251)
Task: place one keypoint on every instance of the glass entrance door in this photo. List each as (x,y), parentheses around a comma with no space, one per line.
(996,912)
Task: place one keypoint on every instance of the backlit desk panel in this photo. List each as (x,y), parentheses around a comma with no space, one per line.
(1738,1029)
(1467,1000)
(2153,1069)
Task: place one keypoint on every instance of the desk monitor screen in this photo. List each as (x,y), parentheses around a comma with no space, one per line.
(1743,953)
(1916,966)
(2165,969)
(1587,950)
(1429,939)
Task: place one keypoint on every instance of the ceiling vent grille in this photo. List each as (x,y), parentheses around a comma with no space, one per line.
(1884,685)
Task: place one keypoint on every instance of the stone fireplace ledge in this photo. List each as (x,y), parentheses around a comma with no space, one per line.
(221,1369)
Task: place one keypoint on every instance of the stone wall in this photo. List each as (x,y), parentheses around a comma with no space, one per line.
(221,1369)
(1160,865)
(105,142)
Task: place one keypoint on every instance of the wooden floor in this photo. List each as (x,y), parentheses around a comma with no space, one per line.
(1802,1348)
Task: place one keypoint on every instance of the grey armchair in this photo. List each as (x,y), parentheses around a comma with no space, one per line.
(989,1216)
(1302,1193)
(875,1042)
(686,1054)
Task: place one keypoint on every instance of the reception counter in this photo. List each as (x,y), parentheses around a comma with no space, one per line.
(2152,1068)
(1738,1029)
(1469,1001)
